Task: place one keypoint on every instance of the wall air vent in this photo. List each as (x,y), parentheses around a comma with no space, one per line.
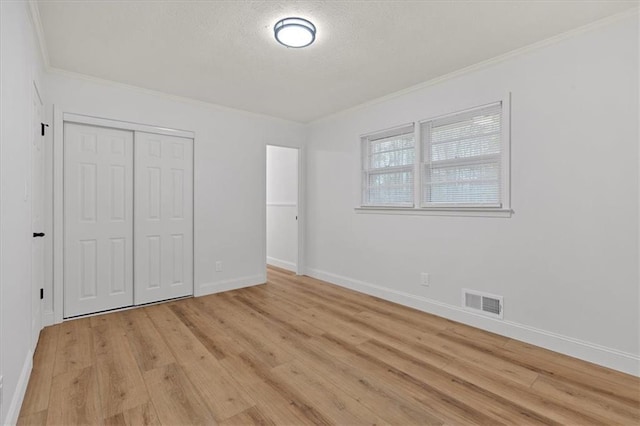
(483,303)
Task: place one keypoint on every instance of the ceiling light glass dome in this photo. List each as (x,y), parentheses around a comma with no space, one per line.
(294,32)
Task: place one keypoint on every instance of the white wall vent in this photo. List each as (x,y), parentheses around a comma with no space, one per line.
(484,303)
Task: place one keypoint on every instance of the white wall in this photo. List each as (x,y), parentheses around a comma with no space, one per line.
(229,151)
(282,207)
(20,67)
(567,260)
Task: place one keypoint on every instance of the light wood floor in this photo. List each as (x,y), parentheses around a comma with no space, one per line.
(299,351)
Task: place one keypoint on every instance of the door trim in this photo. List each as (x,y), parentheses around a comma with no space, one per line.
(60,116)
(35,292)
(300,264)
(124,125)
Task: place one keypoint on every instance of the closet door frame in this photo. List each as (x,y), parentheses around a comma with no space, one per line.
(62,115)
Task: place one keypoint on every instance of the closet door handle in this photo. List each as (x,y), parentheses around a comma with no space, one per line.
(38,234)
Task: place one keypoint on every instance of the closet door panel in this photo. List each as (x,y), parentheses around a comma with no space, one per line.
(98,219)
(163,217)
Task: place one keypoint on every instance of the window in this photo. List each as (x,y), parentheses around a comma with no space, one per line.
(462,159)
(388,160)
(460,165)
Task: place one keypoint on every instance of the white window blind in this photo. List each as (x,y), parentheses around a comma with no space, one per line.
(388,160)
(462,159)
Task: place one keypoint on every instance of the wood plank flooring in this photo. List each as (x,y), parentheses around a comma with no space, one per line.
(300,351)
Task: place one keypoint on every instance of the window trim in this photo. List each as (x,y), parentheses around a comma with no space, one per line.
(439,211)
(504,209)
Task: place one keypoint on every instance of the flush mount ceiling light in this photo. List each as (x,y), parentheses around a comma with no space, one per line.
(294,32)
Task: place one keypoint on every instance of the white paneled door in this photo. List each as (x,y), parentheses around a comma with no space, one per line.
(37,219)
(163,217)
(98,219)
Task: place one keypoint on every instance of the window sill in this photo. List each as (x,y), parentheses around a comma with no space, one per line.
(443,211)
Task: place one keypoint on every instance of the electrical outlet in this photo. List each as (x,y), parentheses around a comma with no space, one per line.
(424,279)
(218,266)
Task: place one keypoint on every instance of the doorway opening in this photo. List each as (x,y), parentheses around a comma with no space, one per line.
(283,208)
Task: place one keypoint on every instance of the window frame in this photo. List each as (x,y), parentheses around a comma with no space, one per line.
(366,171)
(503,209)
(426,160)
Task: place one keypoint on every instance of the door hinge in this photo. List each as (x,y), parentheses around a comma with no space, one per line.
(41,293)
(42,126)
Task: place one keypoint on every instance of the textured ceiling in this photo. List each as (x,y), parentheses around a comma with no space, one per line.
(224,52)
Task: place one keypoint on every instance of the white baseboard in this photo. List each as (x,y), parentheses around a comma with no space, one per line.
(284,264)
(601,355)
(21,388)
(232,284)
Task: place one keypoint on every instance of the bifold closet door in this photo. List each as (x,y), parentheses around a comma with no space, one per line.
(163,224)
(98,219)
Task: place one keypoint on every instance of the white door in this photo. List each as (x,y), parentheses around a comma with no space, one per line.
(98,219)
(163,217)
(37,219)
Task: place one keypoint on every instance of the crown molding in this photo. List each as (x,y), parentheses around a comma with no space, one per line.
(487,63)
(37,22)
(34,12)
